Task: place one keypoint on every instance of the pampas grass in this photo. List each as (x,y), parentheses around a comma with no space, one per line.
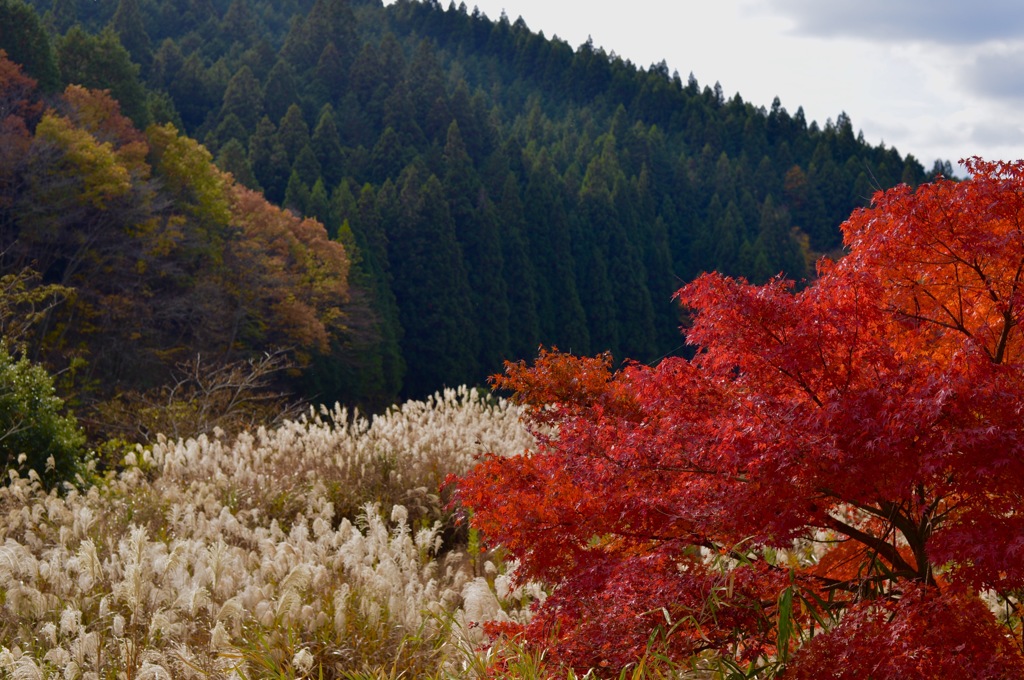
(313,550)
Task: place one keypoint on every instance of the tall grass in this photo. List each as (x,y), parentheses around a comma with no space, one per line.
(319,549)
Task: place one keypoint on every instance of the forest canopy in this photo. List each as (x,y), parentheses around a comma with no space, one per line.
(495,189)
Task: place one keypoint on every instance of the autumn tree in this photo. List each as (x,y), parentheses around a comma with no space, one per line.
(18,111)
(17,94)
(830,487)
(127,22)
(292,280)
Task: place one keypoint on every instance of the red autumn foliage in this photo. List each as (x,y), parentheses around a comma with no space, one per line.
(18,96)
(867,425)
(926,634)
(18,110)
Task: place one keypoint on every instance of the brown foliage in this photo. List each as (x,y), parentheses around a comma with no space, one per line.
(292,275)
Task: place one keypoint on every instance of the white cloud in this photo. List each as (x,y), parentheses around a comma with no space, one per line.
(939,21)
(991,132)
(996,72)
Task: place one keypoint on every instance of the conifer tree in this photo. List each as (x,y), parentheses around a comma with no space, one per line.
(296,194)
(268,160)
(519,272)
(229,128)
(326,144)
(562,318)
(369,233)
(330,76)
(293,132)
(388,156)
(280,91)
(307,166)
(328,21)
(131,30)
(192,92)
(61,16)
(615,288)
(477,233)
(233,158)
(243,98)
(440,342)
(240,22)
(319,207)
(167,61)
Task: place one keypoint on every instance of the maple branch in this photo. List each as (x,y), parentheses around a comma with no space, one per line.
(882,548)
(802,384)
(916,533)
(1008,320)
(949,509)
(959,291)
(798,379)
(956,324)
(853,586)
(856,586)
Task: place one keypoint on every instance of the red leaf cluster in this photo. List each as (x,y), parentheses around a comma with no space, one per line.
(926,634)
(868,423)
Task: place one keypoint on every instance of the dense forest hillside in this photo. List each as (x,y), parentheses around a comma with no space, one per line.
(494,189)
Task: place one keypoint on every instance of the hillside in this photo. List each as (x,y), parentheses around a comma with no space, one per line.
(495,189)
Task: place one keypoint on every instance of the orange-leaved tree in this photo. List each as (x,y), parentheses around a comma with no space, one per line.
(163,262)
(832,487)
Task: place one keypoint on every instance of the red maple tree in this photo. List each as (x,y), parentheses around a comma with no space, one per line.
(832,487)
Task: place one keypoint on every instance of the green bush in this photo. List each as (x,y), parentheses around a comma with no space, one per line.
(31,423)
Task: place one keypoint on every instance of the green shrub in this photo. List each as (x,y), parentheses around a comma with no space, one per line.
(34,435)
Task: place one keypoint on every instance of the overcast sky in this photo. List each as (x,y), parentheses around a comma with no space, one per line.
(933,78)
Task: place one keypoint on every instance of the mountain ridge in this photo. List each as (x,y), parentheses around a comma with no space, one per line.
(497,190)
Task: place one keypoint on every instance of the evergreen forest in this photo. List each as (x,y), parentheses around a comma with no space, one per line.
(483,190)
